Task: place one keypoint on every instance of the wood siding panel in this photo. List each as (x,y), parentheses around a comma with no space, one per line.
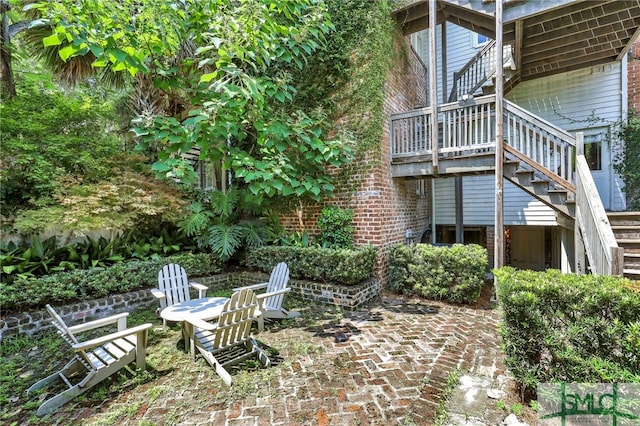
(478,204)
(569,100)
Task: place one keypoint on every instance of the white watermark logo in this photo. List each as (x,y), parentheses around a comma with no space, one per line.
(614,404)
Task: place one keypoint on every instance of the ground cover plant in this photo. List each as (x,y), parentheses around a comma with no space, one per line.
(453,273)
(27,292)
(570,328)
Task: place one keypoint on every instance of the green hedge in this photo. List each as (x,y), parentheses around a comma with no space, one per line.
(455,273)
(339,266)
(84,284)
(570,328)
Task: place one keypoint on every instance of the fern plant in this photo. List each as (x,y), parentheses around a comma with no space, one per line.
(226,222)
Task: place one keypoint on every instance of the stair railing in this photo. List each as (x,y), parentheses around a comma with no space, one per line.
(599,242)
(474,73)
(552,148)
(480,69)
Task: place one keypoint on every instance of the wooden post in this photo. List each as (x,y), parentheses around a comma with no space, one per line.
(498,253)
(433,84)
(617,261)
(459,210)
(443,72)
(579,262)
(565,250)
(579,266)
(433,210)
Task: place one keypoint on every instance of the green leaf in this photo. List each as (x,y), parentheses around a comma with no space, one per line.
(205,78)
(52,40)
(9,269)
(67,51)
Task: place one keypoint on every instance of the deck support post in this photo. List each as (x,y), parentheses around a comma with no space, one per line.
(566,249)
(459,210)
(433,84)
(498,256)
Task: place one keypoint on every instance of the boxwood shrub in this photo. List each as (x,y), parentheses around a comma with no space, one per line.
(339,266)
(454,273)
(83,284)
(570,328)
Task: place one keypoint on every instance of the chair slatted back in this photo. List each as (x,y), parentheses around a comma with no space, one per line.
(67,335)
(234,324)
(174,283)
(63,331)
(277,281)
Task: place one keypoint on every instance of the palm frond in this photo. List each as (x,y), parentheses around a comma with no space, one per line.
(116,80)
(252,203)
(224,239)
(224,204)
(255,233)
(69,72)
(197,222)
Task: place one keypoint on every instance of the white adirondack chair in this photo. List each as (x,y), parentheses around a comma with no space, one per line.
(271,300)
(94,359)
(174,286)
(228,341)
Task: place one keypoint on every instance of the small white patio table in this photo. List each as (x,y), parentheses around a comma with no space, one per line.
(206,308)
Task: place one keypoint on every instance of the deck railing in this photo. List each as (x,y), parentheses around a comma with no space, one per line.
(601,247)
(410,133)
(469,128)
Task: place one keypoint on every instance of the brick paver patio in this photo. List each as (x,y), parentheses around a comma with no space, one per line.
(382,364)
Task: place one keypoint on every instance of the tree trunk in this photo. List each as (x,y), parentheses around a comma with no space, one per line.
(7,82)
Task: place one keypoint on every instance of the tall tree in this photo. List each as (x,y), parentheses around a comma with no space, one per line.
(235,86)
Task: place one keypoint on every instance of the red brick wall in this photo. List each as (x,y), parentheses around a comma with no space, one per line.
(384,208)
(633,68)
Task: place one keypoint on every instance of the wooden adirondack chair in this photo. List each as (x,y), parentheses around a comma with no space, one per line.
(174,286)
(271,300)
(228,341)
(94,359)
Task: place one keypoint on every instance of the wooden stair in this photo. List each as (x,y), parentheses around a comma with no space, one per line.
(626,228)
(539,186)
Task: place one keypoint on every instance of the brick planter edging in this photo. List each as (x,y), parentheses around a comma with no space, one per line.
(341,295)
(33,321)
(38,320)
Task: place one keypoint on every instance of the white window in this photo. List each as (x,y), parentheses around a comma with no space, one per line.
(209,175)
(594,143)
(479,40)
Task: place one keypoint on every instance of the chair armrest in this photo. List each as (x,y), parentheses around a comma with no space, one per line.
(199,323)
(158,294)
(272,293)
(121,319)
(83,346)
(252,287)
(202,289)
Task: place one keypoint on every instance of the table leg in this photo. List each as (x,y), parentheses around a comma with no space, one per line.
(187,335)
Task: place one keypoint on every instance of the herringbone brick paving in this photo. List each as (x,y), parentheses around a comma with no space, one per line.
(383,364)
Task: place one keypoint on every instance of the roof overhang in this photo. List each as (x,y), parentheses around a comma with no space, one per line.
(551,36)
